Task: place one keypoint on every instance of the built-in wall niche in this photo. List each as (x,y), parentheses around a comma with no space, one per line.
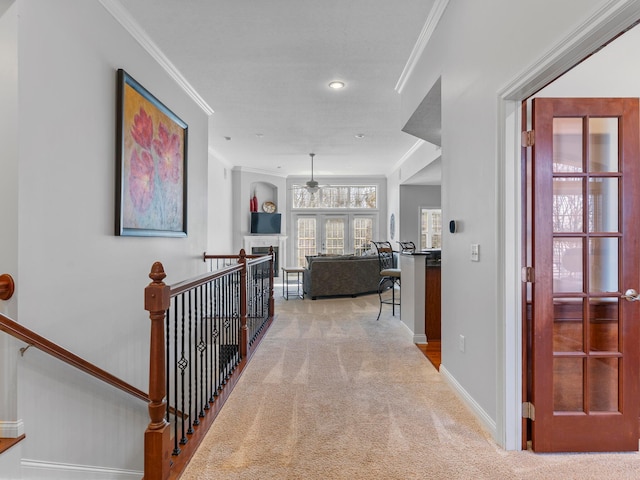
(265,192)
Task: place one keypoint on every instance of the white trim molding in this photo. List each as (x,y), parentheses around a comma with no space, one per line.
(425,35)
(601,27)
(130,25)
(11,429)
(487,422)
(68,471)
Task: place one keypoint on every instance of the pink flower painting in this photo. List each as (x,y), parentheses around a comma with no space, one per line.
(152,188)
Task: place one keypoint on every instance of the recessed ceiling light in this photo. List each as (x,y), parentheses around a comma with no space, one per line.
(336,85)
(359,135)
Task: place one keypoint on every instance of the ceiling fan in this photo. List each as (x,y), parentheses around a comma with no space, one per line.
(312,185)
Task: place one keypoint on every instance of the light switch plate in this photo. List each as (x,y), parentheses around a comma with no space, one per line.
(475,252)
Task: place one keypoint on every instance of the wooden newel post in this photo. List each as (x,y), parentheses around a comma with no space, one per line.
(244,330)
(7,287)
(157,441)
(272,307)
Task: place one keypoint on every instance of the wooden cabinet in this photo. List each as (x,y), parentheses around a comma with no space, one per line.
(432,302)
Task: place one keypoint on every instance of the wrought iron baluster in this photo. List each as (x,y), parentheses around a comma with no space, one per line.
(182,365)
(191,368)
(176,449)
(167,363)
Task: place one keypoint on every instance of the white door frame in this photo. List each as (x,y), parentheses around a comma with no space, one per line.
(613,18)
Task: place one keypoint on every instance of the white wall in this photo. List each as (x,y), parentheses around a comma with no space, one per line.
(10,424)
(78,284)
(477,53)
(220,237)
(412,199)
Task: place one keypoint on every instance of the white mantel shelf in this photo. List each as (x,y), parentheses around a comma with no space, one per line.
(279,241)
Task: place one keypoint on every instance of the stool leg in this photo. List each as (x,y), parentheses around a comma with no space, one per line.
(380,296)
(393,298)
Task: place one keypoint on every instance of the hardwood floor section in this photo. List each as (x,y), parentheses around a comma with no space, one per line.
(7,443)
(432,351)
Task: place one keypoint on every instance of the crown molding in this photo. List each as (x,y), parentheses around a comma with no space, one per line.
(406,156)
(258,171)
(612,19)
(427,30)
(125,19)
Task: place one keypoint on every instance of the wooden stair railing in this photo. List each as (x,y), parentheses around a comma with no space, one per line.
(166,457)
(33,339)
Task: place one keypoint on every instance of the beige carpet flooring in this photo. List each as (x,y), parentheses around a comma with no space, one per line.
(333,394)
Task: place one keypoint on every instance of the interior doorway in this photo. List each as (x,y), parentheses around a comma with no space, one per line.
(560,63)
(583,273)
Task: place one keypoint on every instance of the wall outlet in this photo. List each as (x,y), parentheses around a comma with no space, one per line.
(461,343)
(475,252)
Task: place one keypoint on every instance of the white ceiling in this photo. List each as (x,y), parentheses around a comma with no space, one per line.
(264,66)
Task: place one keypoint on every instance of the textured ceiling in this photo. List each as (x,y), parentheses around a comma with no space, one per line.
(264,66)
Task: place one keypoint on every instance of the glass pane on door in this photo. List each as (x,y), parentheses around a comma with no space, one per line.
(603,265)
(568,204)
(567,265)
(603,144)
(568,379)
(306,234)
(362,234)
(334,236)
(568,321)
(603,324)
(603,384)
(603,204)
(567,144)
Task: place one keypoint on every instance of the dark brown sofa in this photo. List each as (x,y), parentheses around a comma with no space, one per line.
(329,276)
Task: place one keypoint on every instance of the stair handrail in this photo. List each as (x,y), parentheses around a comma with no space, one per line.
(159,462)
(31,338)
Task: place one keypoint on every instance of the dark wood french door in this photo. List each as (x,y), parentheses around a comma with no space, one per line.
(585,252)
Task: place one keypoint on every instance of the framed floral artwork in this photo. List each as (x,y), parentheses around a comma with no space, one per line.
(151,164)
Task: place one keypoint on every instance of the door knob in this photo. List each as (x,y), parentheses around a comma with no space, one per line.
(631,295)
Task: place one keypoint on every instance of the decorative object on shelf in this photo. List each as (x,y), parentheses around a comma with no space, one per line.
(151,156)
(254,202)
(269,207)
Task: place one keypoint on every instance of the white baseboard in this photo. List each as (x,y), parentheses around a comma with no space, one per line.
(420,338)
(485,419)
(11,429)
(37,469)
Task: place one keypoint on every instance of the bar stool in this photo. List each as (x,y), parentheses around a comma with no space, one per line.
(389,275)
(407,247)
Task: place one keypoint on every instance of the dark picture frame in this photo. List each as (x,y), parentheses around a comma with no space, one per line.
(151,164)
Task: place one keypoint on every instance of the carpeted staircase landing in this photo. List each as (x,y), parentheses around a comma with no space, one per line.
(332,393)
